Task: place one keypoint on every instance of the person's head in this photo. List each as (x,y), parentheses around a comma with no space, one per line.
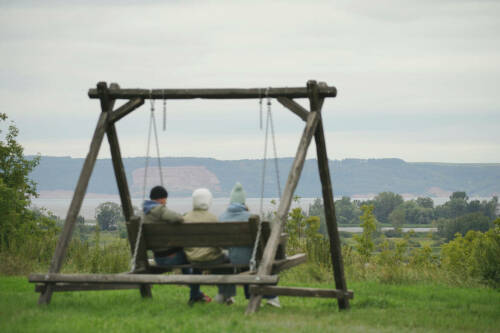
(159,194)
(202,199)
(238,195)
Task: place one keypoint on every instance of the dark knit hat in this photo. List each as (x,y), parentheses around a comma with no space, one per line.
(158,192)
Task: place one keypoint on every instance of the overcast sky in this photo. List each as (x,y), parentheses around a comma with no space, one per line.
(417,80)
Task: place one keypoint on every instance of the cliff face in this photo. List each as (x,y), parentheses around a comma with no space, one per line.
(350,177)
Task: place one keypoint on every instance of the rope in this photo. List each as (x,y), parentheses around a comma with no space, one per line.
(151,129)
(269,124)
(136,247)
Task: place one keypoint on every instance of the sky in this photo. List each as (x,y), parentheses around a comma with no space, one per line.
(416,80)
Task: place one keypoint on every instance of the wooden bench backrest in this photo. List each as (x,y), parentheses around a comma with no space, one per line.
(159,236)
(162,235)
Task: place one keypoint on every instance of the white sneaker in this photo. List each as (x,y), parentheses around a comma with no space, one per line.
(219,298)
(274,302)
(230,301)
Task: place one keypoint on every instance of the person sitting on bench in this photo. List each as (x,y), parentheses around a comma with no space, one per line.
(156,211)
(240,255)
(202,201)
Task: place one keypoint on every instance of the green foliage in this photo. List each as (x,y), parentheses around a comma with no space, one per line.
(384,203)
(347,212)
(17,221)
(364,242)
(477,255)
(108,214)
(410,212)
(447,228)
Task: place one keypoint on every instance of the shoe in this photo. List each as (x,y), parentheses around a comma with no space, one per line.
(229,301)
(202,299)
(219,298)
(274,302)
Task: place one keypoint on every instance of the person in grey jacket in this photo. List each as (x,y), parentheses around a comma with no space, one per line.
(156,211)
(237,211)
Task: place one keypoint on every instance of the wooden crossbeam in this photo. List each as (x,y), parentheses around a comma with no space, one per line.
(301,292)
(221,93)
(125,109)
(294,107)
(154,279)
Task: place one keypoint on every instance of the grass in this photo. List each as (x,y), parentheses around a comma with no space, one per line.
(376,308)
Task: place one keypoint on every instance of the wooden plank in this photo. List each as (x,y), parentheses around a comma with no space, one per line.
(85,287)
(294,107)
(301,292)
(154,279)
(289,262)
(125,109)
(219,93)
(278,265)
(76,203)
(265,266)
(326,187)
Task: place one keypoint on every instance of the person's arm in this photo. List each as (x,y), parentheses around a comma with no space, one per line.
(170,216)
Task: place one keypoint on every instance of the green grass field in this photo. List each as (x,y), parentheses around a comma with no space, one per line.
(375,308)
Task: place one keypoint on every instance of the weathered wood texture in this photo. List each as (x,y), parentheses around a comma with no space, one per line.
(326,185)
(85,287)
(302,292)
(278,265)
(76,202)
(294,107)
(154,279)
(222,93)
(125,109)
(160,236)
(265,266)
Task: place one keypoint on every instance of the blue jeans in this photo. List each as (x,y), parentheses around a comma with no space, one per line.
(179,258)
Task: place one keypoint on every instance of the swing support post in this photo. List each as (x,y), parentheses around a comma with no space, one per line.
(316,93)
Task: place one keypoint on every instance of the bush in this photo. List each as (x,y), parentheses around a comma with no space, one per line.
(475,256)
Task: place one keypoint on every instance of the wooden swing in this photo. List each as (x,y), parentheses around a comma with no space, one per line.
(271,258)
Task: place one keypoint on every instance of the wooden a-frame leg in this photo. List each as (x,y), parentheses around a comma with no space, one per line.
(119,169)
(284,206)
(76,203)
(326,187)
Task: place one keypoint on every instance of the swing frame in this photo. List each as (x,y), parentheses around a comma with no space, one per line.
(314,91)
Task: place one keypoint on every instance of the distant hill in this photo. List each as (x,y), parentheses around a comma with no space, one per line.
(350,177)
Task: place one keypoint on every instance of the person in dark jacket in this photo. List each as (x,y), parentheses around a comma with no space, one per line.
(239,255)
(156,211)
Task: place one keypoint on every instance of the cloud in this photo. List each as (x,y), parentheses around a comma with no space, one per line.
(391,61)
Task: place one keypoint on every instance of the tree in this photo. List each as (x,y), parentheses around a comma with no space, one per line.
(347,211)
(455,207)
(16,189)
(384,203)
(364,242)
(108,214)
(447,228)
(425,202)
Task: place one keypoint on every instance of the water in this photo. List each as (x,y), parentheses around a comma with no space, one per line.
(59,207)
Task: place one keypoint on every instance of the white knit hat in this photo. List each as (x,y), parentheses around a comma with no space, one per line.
(202,199)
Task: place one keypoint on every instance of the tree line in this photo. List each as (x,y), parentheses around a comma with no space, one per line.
(458,214)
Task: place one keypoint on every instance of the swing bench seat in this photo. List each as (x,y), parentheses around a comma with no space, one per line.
(160,235)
